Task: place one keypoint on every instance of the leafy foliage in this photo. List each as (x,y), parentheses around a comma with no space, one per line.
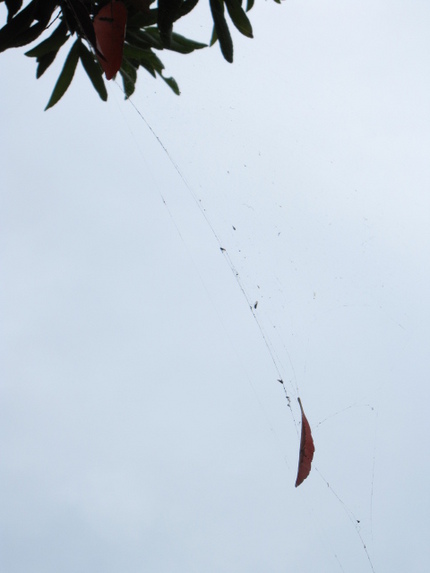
(148,30)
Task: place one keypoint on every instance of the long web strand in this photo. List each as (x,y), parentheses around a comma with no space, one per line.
(352,518)
(226,257)
(215,306)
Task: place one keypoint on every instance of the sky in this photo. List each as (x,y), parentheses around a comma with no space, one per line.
(142,424)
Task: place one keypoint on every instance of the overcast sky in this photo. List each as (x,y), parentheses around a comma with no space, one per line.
(142,425)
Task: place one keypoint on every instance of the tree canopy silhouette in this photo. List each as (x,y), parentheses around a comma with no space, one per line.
(113,36)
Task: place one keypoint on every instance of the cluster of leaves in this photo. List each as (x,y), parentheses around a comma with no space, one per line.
(148,30)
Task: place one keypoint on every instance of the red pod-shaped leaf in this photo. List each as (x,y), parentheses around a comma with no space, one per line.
(109,27)
(307,449)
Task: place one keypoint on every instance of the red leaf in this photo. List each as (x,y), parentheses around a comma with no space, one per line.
(307,449)
(109,27)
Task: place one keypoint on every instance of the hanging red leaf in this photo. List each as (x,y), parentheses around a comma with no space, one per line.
(109,27)
(307,449)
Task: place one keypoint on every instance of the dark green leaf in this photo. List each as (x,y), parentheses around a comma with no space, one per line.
(17,25)
(66,75)
(171,82)
(51,44)
(79,20)
(44,62)
(29,35)
(249,5)
(149,68)
(239,18)
(142,19)
(168,11)
(186,7)
(45,9)
(19,30)
(152,35)
(214,37)
(134,52)
(184,45)
(12,8)
(137,39)
(223,33)
(143,56)
(94,71)
(129,77)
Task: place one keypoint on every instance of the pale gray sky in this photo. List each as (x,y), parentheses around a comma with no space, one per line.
(142,425)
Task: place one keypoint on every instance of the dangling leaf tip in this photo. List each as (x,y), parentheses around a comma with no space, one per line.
(307,449)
